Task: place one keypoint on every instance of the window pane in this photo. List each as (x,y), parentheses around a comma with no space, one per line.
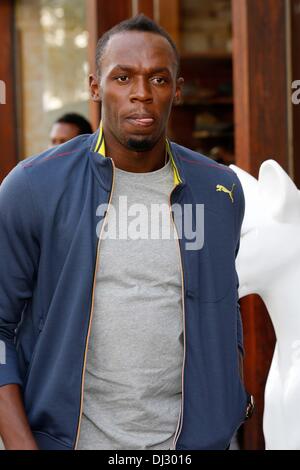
(206,26)
(52,66)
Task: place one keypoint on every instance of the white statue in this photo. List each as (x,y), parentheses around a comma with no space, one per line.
(268,264)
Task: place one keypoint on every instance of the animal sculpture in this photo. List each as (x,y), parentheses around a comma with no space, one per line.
(268,264)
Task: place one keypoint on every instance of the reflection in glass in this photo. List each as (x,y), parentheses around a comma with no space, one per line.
(52,66)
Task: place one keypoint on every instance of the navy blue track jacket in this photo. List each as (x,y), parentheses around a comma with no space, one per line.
(48,257)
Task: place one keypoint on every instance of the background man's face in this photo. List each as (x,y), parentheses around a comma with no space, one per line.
(61,132)
(138,83)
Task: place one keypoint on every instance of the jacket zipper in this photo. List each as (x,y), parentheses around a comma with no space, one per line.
(180,419)
(92,306)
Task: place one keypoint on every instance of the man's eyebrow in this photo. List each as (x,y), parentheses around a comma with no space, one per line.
(128,68)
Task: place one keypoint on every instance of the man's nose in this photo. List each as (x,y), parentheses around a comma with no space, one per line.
(141,90)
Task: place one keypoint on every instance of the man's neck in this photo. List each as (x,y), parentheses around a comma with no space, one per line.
(136,162)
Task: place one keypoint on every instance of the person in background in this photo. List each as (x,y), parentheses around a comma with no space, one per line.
(67,127)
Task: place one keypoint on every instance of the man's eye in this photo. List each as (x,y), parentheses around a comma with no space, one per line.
(159,80)
(123,78)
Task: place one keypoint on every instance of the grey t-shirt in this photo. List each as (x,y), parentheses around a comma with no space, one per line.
(132,392)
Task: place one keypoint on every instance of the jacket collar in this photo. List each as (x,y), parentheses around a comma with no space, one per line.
(98,149)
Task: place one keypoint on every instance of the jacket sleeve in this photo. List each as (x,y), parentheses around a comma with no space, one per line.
(239,221)
(240,338)
(19,254)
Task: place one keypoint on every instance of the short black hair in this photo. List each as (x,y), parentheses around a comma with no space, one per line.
(77,120)
(137,23)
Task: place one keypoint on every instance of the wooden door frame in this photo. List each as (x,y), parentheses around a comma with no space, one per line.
(101,16)
(295,75)
(262,131)
(8,116)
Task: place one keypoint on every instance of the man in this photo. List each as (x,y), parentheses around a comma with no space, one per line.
(67,127)
(115,339)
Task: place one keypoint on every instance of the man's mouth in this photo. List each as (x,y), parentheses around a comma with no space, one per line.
(141,120)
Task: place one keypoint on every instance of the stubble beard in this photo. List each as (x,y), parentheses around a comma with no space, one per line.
(143,145)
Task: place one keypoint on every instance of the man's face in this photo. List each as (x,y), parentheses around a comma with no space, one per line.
(137,87)
(61,132)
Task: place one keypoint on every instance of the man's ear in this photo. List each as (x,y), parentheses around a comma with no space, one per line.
(178,93)
(279,193)
(95,88)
